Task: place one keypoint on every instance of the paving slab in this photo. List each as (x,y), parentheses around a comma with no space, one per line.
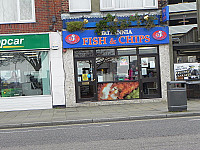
(93,114)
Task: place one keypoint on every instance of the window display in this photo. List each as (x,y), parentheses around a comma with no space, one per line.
(187,71)
(116,74)
(24,73)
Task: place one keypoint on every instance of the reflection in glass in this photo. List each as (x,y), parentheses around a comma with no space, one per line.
(122,68)
(84,70)
(126,51)
(83,53)
(24,73)
(105,52)
(150,88)
(147,50)
(85,91)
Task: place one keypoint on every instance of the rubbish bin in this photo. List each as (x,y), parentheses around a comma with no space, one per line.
(176,96)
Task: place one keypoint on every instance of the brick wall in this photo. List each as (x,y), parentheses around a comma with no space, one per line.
(44,10)
(65,6)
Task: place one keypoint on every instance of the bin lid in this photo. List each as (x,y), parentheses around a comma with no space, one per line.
(176,82)
(193,82)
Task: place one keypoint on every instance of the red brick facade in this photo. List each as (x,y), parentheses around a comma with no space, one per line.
(44,10)
(65,6)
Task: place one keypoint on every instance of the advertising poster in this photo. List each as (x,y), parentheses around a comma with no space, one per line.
(152,64)
(124,61)
(185,71)
(144,71)
(116,91)
(85,77)
(144,62)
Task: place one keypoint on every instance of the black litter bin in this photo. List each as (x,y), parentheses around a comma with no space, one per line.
(177,96)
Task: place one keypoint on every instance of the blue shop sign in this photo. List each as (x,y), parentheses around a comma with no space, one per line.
(128,37)
(165,14)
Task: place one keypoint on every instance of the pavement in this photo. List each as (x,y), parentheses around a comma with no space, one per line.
(94,114)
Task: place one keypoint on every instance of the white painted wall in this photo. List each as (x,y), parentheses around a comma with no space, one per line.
(56,69)
(25,102)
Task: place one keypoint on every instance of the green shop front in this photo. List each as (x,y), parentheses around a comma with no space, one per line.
(130,66)
(24,72)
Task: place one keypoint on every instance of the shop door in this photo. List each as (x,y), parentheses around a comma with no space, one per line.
(85,80)
(149,77)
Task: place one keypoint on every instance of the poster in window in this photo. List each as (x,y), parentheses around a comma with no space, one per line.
(144,62)
(79,71)
(123,61)
(144,71)
(85,77)
(118,91)
(100,78)
(79,79)
(152,64)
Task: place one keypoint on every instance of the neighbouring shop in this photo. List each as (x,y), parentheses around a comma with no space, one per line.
(25,72)
(126,66)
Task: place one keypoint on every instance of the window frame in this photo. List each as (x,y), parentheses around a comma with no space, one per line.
(136,8)
(18,15)
(80,10)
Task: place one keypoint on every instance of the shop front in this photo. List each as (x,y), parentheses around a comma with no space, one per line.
(25,72)
(119,67)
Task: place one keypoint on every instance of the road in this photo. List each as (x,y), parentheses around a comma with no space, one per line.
(159,134)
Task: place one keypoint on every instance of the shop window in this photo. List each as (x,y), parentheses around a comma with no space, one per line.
(79,5)
(83,53)
(126,51)
(148,69)
(105,52)
(122,68)
(147,50)
(17,11)
(24,74)
(127,4)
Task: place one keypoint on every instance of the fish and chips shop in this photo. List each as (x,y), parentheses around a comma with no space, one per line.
(132,65)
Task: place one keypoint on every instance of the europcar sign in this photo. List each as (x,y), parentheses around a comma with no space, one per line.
(24,42)
(128,37)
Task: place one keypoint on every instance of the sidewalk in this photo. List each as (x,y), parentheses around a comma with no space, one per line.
(93,114)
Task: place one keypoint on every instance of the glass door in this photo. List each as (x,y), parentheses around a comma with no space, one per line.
(85,80)
(149,76)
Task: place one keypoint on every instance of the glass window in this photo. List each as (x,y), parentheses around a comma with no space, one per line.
(127,4)
(122,68)
(105,52)
(79,5)
(148,69)
(126,51)
(83,53)
(147,50)
(24,73)
(14,11)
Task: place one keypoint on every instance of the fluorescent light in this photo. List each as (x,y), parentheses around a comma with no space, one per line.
(7,56)
(30,53)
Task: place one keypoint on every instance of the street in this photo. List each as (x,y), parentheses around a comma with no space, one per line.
(158,134)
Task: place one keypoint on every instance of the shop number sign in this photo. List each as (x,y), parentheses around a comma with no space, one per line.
(131,36)
(24,42)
